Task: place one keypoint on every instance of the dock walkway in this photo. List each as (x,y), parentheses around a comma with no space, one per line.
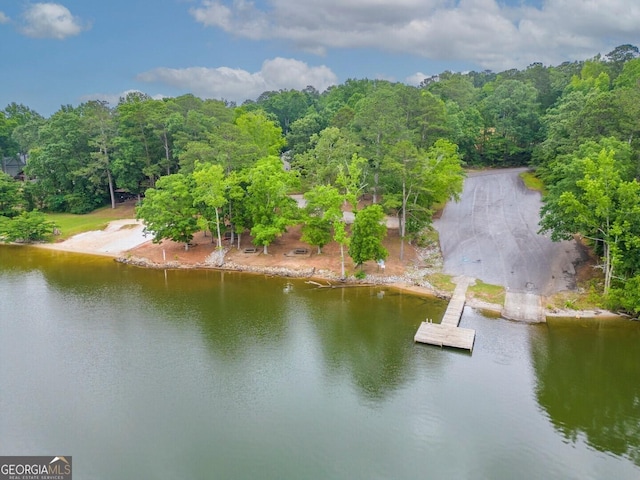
(448,333)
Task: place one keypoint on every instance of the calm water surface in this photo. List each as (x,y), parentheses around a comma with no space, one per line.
(144,374)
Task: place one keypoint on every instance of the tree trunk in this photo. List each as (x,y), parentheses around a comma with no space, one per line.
(220,249)
(167,151)
(402,219)
(608,267)
(111,192)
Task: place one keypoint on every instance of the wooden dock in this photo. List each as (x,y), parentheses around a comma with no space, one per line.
(448,333)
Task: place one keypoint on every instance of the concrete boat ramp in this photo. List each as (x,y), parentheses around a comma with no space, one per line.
(523,307)
(448,333)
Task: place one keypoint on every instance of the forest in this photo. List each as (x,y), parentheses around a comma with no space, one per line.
(208,164)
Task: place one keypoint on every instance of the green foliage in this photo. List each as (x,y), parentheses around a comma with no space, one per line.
(368,232)
(331,150)
(268,202)
(265,135)
(360,274)
(601,206)
(630,76)
(322,210)
(626,296)
(168,210)
(287,105)
(403,144)
(487,292)
(209,196)
(10,196)
(27,227)
(512,121)
(532,182)
(302,130)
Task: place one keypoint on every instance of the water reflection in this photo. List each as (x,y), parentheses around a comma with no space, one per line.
(589,389)
(203,374)
(369,336)
(363,333)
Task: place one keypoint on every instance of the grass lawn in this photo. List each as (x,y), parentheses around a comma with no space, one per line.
(487,292)
(532,182)
(70,224)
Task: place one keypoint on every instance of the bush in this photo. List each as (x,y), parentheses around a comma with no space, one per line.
(626,297)
(26,227)
(360,275)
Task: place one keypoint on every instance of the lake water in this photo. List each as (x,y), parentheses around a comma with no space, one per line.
(205,375)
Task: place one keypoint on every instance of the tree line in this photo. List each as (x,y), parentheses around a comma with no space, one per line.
(577,124)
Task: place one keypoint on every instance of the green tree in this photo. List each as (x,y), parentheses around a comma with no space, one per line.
(626,296)
(209,196)
(27,227)
(97,119)
(59,165)
(168,210)
(286,105)
(416,180)
(331,150)
(512,116)
(561,126)
(139,150)
(602,208)
(630,75)
(301,131)
(10,196)
(238,208)
(379,123)
(619,57)
(368,233)
(265,135)
(465,127)
(425,116)
(455,87)
(321,212)
(14,117)
(162,123)
(271,208)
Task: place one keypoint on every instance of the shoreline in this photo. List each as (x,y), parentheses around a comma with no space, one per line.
(122,238)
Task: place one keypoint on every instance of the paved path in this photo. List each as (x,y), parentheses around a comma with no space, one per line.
(491,235)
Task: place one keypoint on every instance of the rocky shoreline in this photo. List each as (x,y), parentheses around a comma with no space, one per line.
(414,278)
(412,281)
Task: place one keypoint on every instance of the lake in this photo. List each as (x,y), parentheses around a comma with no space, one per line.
(200,374)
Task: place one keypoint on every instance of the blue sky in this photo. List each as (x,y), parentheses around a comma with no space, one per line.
(69,51)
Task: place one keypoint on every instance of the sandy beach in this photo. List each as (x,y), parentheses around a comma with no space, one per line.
(119,237)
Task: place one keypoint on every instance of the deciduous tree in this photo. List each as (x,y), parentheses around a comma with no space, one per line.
(209,196)
(368,232)
(168,210)
(271,208)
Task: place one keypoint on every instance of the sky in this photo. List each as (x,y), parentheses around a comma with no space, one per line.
(70,51)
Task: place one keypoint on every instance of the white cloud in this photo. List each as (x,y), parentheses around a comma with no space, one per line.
(416,79)
(239,85)
(3,18)
(486,32)
(50,20)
